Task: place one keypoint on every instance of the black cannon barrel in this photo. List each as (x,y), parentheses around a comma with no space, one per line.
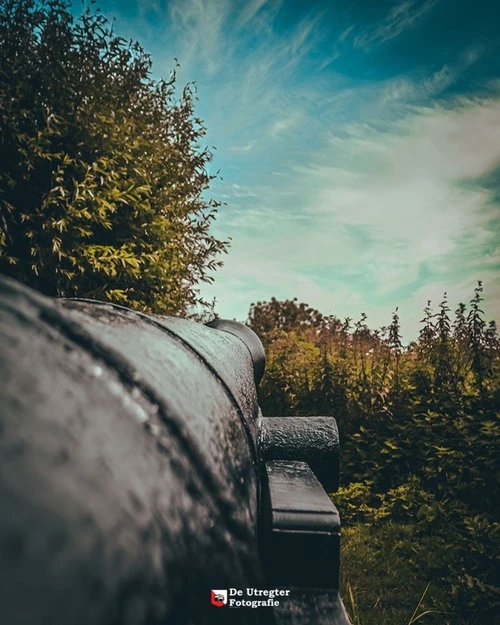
(137,474)
(129,477)
(250,339)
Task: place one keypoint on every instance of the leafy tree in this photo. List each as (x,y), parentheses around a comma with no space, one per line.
(267,317)
(102,178)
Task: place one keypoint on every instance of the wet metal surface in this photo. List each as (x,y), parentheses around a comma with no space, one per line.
(304,549)
(298,500)
(230,359)
(133,477)
(249,338)
(198,406)
(314,440)
(127,486)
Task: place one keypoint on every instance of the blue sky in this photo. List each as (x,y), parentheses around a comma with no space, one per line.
(358,141)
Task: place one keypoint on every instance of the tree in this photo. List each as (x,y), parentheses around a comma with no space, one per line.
(275,315)
(102,178)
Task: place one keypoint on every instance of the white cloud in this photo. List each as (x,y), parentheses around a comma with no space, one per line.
(404,15)
(347,216)
(251,9)
(284,124)
(370,210)
(199,27)
(409,196)
(420,88)
(247,147)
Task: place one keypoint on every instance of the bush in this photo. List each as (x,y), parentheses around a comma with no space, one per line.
(101,176)
(419,429)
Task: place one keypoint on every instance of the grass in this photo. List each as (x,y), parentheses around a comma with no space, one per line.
(388,580)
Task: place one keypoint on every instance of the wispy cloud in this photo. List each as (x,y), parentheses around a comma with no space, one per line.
(286,123)
(351,185)
(199,26)
(421,87)
(250,10)
(378,208)
(245,85)
(247,147)
(400,18)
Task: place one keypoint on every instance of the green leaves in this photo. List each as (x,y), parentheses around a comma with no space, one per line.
(102,184)
(419,427)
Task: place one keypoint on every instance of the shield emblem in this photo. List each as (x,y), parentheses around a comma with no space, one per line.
(218,597)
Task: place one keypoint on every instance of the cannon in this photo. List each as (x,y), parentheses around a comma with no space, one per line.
(140,483)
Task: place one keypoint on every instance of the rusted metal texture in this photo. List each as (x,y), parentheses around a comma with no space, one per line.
(129,477)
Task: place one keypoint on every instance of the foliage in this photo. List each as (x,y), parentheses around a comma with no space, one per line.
(389,577)
(269,319)
(101,176)
(419,429)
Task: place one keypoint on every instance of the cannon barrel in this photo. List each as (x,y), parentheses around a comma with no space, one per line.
(133,473)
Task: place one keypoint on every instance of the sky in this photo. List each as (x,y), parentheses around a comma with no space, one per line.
(358,143)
